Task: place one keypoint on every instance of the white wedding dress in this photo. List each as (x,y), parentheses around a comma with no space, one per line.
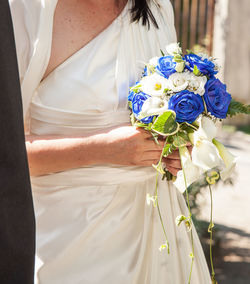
(93,223)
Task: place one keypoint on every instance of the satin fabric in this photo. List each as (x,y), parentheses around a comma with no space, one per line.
(93,223)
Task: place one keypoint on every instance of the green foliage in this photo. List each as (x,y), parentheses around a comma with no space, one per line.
(237,108)
(162,53)
(159,168)
(178,58)
(179,219)
(196,71)
(167,175)
(165,124)
(142,125)
(202,181)
(132,119)
(155,136)
(180,139)
(136,88)
(189,128)
(150,69)
(168,149)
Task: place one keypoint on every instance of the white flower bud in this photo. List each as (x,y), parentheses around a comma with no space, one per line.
(180,67)
(173,49)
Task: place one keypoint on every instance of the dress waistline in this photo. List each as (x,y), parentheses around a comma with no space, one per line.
(94,176)
(58,117)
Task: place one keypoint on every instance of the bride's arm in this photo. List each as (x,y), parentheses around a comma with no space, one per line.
(125,145)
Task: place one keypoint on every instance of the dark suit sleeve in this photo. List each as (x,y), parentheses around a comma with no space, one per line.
(17,225)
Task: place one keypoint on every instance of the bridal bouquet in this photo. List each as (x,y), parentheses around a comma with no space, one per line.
(179,99)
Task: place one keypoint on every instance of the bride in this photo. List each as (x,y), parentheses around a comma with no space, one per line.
(90,170)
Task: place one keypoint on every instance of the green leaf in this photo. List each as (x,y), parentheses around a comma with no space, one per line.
(136,88)
(179,219)
(212,177)
(210,227)
(196,71)
(179,142)
(162,53)
(159,168)
(140,124)
(132,119)
(150,68)
(237,108)
(202,180)
(189,128)
(165,124)
(178,58)
(168,176)
(181,139)
(154,135)
(165,91)
(168,149)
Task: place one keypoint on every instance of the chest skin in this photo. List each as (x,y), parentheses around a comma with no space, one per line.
(77,22)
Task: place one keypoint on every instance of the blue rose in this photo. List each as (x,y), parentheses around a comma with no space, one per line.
(131,92)
(131,95)
(216,97)
(205,66)
(166,66)
(137,103)
(187,106)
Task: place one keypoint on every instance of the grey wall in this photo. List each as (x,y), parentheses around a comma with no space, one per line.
(232,46)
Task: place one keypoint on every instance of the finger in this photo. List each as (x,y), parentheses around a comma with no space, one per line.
(173,171)
(149,163)
(144,132)
(190,148)
(151,155)
(174,155)
(152,146)
(173,163)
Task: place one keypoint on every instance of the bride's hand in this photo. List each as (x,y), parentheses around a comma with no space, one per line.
(128,145)
(173,162)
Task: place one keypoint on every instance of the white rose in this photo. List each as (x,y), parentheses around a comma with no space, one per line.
(154,85)
(173,49)
(153,106)
(154,61)
(178,82)
(196,84)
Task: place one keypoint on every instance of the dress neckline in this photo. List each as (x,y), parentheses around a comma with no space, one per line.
(80,50)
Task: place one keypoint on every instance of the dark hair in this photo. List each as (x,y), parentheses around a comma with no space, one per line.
(140,11)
